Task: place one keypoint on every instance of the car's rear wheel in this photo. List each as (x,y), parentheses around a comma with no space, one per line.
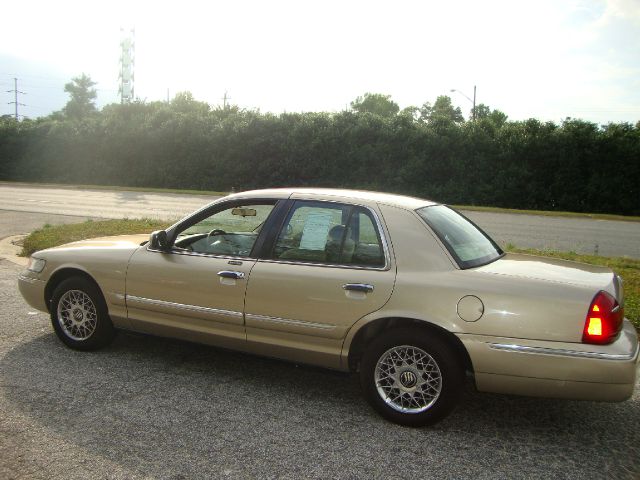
(411,377)
(79,315)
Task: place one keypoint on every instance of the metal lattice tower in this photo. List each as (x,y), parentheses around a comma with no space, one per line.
(127,49)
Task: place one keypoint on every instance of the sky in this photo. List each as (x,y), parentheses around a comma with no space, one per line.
(545,59)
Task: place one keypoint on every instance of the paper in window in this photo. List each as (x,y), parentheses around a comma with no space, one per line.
(316,229)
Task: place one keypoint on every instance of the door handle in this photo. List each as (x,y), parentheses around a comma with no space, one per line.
(231,274)
(358,287)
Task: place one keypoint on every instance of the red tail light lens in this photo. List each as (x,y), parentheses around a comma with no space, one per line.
(604,320)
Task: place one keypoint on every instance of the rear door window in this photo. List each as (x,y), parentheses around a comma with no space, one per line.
(330,233)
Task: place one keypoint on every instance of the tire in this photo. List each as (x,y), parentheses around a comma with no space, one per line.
(411,377)
(79,315)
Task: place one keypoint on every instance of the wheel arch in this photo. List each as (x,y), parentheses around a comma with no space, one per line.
(60,276)
(371,330)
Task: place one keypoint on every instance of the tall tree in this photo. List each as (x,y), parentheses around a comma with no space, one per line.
(377,104)
(441,111)
(82,97)
(185,103)
(484,112)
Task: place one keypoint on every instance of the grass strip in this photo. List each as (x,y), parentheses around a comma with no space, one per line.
(117,188)
(51,236)
(549,213)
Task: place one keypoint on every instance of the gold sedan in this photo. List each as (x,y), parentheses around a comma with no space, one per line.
(405,291)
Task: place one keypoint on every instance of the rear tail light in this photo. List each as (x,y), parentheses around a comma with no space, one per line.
(604,319)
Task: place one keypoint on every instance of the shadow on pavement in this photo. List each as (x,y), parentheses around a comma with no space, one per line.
(167,408)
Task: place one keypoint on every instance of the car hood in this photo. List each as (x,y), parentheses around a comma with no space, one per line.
(550,270)
(118,242)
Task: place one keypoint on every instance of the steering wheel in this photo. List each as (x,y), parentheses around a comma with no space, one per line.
(216,231)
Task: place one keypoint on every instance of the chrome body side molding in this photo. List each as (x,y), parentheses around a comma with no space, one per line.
(286,321)
(562,352)
(141,301)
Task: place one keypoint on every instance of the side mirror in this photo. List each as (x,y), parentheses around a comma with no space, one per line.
(159,241)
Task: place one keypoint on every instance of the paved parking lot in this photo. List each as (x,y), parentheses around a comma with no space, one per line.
(155,408)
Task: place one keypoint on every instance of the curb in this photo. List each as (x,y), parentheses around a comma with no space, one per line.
(9,250)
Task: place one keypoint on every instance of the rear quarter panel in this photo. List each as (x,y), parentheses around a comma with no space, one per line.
(429,286)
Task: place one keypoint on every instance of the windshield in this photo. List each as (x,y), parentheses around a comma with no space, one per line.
(469,245)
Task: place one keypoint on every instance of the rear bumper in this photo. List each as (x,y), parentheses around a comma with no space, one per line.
(554,369)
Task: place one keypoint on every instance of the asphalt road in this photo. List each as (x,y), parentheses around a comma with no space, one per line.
(582,235)
(604,237)
(148,407)
(98,203)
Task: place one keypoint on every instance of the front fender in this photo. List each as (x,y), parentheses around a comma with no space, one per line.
(107,268)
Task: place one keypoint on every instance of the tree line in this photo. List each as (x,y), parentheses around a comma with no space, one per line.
(428,151)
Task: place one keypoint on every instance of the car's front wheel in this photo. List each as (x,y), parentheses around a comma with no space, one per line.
(79,315)
(411,377)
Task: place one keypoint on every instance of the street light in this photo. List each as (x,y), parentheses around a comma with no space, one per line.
(472,101)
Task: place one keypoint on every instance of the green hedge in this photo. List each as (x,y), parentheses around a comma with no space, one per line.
(576,166)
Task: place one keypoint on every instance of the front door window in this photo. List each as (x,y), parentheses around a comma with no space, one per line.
(229,232)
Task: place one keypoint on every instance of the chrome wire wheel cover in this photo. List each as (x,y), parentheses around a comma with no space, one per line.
(77,315)
(408,379)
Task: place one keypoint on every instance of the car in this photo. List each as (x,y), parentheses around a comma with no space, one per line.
(406,292)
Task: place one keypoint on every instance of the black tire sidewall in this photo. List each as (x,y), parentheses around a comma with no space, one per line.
(104,331)
(443,354)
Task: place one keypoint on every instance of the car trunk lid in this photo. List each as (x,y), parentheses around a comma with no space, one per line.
(556,270)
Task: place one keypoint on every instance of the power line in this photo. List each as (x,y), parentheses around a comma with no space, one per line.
(53,83)
(22,75)
(16,92)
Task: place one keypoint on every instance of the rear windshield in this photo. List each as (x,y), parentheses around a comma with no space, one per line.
(469,245)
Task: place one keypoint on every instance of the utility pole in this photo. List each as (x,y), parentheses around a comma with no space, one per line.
(224,100)
(473,112)
(16,92)
(474,103)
